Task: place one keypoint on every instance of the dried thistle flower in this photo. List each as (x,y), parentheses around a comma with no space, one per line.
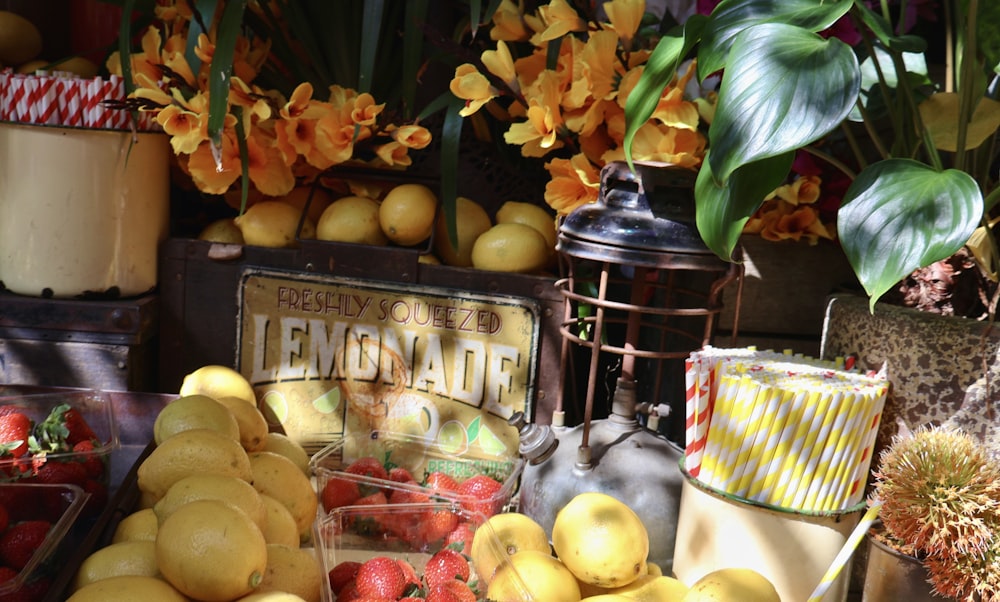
(940,492)
(970,578)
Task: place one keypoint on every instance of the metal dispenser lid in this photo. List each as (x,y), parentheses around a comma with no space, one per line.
(644,218)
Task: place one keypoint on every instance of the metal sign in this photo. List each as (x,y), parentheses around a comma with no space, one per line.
(330,356)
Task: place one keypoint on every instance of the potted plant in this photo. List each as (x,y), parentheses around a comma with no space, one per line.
(921,189)
(939,492)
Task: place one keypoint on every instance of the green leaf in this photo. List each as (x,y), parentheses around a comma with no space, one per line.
(222,67)
(206,10)
(413,50)
(784,88)
(660,69)
(721,211)
(371,26)
(900,215)
(731,17)
(451,135)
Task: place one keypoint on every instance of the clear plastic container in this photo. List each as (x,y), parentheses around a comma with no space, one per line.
(421,458)
(60,504)
(358,533)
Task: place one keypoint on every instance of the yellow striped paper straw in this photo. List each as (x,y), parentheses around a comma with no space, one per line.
(805,462)
(869,397)
(774,445)
(840,460)
(743,405)
(718,431)
(819,458)
(768,405)
(850,545)
(857,491)
(784,488)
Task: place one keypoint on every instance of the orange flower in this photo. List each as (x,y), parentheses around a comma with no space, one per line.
(471,86)
(625,17)
(803,190)
(500,63)
(539,134)
(560,19)
(212,177)
(509,24)
(574,182)
(411,136)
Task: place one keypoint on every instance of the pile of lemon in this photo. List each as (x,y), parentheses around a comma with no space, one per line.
(521,239)
(225,510)
(21,47)
(598,553)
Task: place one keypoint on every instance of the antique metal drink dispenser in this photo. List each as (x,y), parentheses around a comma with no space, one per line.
(641,292)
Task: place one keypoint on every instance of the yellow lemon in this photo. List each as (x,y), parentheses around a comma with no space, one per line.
(516,212)
(281,443)
(81,66)
(321,199)
(351,219)
(277,476)
(193,487)
(601,540)
(503,535)
(124,558)
(270,597)
(511,248)
(273,224)
(727,584)
(222,230)
(533,575)
(653,588)
(471,221)
(606,598)
(281,526)
(20,40)
(218,381)
(191,452)
(32,66)
(251,422)
(141,525)
(211,550)
(194,412)
(293,570)
(429,259)
(406,214)
(653,569)
(128,588)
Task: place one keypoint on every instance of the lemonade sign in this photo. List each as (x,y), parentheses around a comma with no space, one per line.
(330,357)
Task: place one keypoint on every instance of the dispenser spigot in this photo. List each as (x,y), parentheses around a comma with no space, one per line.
(537,442)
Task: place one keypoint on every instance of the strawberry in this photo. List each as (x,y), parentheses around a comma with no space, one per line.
(4,519)
(401,475)
(339,492)
(460,539)
(98,497)
(32,591)
(20,541)
(15,430)
(439,481)
(480,494)
(410,574)
(79,429)
(369,467)
(381,577)
(413,599)
(57,473)
(438,525)
(446,564)
(451,590)
(92,462)
(342,574)
(6,574)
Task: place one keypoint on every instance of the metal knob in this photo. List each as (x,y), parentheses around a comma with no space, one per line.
(537,442)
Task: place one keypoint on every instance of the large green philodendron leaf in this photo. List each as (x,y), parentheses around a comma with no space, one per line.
(722,211)
(783,88)
(731,17)
(900,215)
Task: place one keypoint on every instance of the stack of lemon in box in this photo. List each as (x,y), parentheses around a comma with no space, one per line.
(225,508)
(521,238)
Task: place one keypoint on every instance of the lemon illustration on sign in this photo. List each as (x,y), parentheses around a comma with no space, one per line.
(327,402)
(277,404)
(489,442)
(452,437)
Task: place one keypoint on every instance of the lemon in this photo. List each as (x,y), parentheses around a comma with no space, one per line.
(124,558)
(299,195)
(234,490)
(293,570)
(502,535)
(191,452)
(277,476)
(281,443)
(406,214)
(733,583)
(270,597)
(653,569)
(194,412)
(218,381)
(141,525)
(429,259)
(20,40)
(128,588)
(281,526)
(471,220)
(210,550)
(222,230)
(510,248)
(273,224)
(533,575)
(652,588)
(250,420)
(81,66)
(32,66)
(606,598)
(516,212)
(351,219)
(601,540)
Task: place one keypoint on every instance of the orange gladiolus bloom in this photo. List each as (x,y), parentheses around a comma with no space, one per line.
(509,24)
(471,86)
(574,182)
(560,19)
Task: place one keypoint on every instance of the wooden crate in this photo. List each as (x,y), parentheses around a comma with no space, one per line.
(99,344)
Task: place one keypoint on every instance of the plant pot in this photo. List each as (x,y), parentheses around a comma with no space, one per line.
(892,577)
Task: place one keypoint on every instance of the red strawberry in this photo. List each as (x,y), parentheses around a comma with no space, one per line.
(401,475)
(439,481)
(410,574)
(446,564)
(32,591)
(451,591)
(406,496)
(460,539)
(4,520)
(339,492)
(98,497)
(6,574)
(438,525)
(79,429)
(413,599)
(92,462)
(369,467)
(381,577)
(20,541)
(15,429)
(480,493)
(58,473)
(342,574)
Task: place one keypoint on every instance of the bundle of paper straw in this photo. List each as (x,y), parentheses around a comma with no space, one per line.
(785,430)
(65,99)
